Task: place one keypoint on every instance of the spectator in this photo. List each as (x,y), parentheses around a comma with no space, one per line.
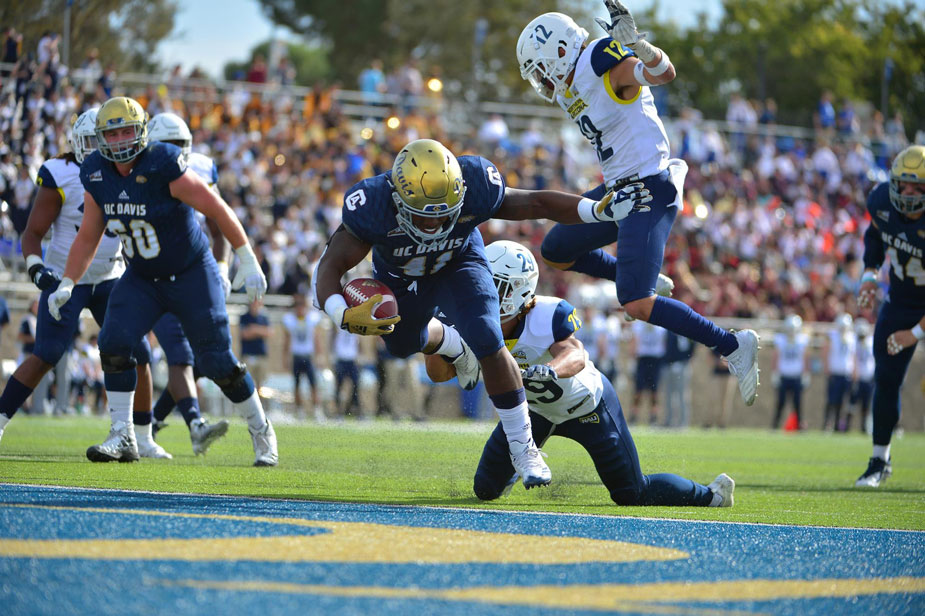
(372,82)
(824,117)
(677,360)
(346,352)
(791,368)
(300,333)
(863,389)
(839,353)
(720,410)
(254,327)
(257,73)
(649,350)
(12,47)
(400,391)
(4,316)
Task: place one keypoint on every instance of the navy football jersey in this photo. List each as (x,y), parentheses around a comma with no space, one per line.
(370,214)
(160,235)
(903,241)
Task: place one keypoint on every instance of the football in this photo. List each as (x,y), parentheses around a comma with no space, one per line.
(359,290)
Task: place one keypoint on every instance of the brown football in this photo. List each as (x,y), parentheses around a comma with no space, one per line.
(359,290)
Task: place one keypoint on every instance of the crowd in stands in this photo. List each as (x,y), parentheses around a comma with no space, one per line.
(772,224)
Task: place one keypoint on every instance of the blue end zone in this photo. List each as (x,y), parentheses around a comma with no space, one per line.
(66,550)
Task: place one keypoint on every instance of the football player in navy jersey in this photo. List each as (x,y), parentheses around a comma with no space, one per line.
(604,87)
(420,220)
(568,396)
(58,206)
(144,193)
(897,229)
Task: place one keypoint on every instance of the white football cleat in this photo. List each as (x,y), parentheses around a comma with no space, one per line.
(663,286)
(724,486)
(202,434)
(878,471)
(119,446)
(743,364)
(264,439)
(529,464)
(153,450)
(468,369)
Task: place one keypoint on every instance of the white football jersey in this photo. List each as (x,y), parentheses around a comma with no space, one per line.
(628,135)
(562,399)
(790,354)
(205,168)
(842,346)
(64,176)
(865,358)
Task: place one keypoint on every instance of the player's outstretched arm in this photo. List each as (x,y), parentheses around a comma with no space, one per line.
(192,190)
(874,254)
(45,210)
(653,67)
(571,209)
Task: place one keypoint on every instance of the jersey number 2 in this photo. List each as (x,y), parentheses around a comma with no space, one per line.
(594,136)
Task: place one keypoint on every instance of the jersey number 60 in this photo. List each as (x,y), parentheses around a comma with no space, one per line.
(143,237)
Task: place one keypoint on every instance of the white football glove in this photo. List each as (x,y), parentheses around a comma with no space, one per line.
(614,207)
(60,297)
(622,26)
(539,372)
(226,281)
(249,275)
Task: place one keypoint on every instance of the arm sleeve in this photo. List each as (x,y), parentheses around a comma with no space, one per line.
(873,248)
(565,321)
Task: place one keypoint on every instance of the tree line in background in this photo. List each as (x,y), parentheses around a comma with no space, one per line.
(788,50)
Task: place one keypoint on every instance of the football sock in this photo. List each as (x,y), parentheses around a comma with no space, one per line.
(142,418)
(670,490)
(13,397)
(189,408)
(143,434)
(515,420)
(451,347)
(679,318)
(252,410)
(121,381)
(164,406)
(598,263)
(882,452)
(120,405)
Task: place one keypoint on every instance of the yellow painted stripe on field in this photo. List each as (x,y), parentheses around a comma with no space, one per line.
(344,542)
(637,597)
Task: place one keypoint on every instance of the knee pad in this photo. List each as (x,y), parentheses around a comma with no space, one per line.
(230,379)
(116,363)
(142,351)
(484,491)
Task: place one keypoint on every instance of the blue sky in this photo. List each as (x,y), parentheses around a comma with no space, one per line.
(210,33)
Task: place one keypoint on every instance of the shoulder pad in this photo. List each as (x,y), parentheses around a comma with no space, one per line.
(606,53)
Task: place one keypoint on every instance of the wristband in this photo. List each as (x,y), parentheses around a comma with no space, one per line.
(868,276)
(639,74)
(586,209)
(32,260)
(223,268)
(661,67)
(335,306)
(918,332)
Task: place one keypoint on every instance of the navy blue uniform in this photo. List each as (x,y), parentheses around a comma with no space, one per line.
(607,439)
(170,267)
(452,275)
(891,233)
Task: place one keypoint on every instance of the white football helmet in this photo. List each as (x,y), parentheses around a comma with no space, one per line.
(547,51)
(83,135)
(793,324)
(171,127)
(515,273)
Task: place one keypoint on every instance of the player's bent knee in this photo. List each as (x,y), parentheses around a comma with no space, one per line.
(625,498)
(116,363)
(232,379)
(484,490)
(557,265)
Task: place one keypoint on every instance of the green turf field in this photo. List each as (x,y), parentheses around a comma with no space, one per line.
(780,478)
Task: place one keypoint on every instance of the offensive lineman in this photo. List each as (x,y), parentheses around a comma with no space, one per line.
(568,396)
(58,205)
(144,194)
(897,229)
(604,87)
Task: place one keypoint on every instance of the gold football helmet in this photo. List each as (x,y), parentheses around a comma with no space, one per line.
(428,184)
(908,166)
(117,113)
